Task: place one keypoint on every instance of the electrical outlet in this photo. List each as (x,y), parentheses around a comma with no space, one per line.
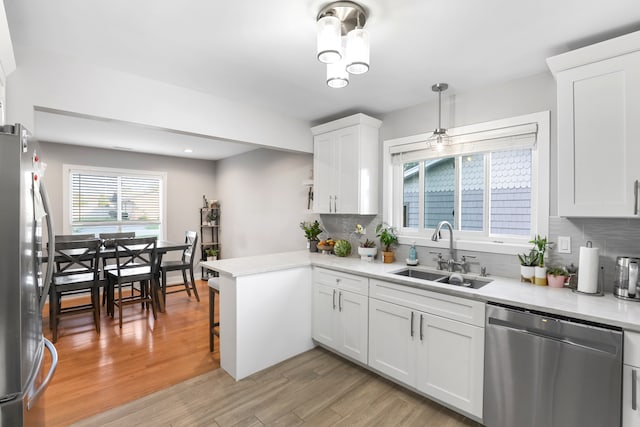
(564,244)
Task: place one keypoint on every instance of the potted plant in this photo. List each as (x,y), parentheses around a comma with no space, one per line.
(212,254)
(212,217)
(388,238)
(541,245)
(557,276)
(367,249)
(528,263)
(311,232)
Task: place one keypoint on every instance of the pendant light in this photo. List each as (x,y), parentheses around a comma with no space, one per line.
(342,42)
(439,137)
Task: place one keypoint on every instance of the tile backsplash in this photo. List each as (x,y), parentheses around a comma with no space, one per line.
(343,226)
(614,237)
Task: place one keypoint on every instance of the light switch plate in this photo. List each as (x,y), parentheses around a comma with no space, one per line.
(564,244)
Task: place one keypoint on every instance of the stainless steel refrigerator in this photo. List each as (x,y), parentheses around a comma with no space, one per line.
(23,285)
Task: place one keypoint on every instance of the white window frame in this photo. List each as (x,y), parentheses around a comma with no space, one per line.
(392,190)
(67,190)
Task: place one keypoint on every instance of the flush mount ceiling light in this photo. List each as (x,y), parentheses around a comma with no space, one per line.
(343,44)
(439,137)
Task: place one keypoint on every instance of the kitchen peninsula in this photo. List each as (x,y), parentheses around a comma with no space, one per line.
(266,303)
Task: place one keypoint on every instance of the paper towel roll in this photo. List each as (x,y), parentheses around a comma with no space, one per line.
(588,270)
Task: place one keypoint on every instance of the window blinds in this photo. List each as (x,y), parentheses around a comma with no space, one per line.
(508,138)
(110,198)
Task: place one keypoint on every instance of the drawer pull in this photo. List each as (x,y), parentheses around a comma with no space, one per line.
(412,324)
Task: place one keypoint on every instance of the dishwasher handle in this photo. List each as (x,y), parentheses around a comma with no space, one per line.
(590,345)
(634,390)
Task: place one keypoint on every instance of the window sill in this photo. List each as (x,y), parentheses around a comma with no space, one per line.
(502,248)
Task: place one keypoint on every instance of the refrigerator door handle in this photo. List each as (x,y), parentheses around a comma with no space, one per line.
(52,242)
(54,364)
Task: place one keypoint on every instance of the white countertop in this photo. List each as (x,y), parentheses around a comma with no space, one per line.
(601,309)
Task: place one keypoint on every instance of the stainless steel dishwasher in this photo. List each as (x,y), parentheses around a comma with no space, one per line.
(547,370)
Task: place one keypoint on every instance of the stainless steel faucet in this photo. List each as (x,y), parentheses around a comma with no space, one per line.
(436,236)
(451,262)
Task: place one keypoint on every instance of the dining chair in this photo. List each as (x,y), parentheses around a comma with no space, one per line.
(136,261)
(77,270)
(185,264)
(68,238)
(74,237)
(108,241)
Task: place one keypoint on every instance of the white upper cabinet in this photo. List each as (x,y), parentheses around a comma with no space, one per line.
(598,128)
(345,164)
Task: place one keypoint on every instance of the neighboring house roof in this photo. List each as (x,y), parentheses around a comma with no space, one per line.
(510,169)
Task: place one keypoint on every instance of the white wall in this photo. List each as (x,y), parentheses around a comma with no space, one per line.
(65,84)
(262,202)
(187,181)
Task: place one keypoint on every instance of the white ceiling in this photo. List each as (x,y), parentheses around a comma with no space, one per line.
(263,53)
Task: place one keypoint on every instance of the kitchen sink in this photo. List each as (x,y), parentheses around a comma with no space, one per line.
(443,277)
(466,282)
(420,274)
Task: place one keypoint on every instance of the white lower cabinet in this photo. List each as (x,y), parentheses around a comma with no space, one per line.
(429,341)
(451,362)
(392,341)
(630,390)
(440,357)
(631,380)
(340,320)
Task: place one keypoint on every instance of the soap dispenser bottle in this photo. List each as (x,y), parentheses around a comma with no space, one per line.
(413,255)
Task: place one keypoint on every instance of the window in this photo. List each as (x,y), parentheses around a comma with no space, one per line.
(491,184)
(100,200)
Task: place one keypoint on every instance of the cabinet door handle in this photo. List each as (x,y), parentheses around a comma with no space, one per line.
(330,197)
(634,405)
(421,334)
(334,299)
(335,204)
(412,324)
(340,301)
(635,197)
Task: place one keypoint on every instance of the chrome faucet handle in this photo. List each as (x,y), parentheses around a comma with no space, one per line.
(483,271)
(439,259)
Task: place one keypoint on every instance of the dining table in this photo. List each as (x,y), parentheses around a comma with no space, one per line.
(163,247)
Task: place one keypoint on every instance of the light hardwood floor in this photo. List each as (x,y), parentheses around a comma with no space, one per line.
(162,374)
(99,372)
(316,388)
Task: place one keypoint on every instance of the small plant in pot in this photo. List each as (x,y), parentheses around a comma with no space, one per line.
(541,246)
(367,249)
(557,276)
(212,217)
(388,238)
(528,263)
(212,254)
(311,232)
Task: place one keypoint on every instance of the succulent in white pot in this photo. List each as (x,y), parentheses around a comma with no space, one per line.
(528,263)
(367,250)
